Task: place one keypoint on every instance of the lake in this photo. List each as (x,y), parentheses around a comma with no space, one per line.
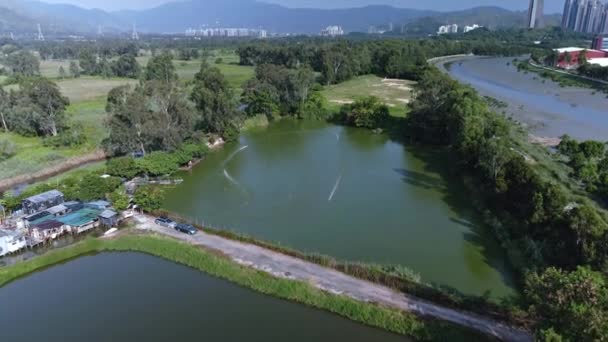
(347,193)
(545,107)
(136,297)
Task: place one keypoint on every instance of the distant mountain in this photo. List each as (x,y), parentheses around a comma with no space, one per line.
(178,16)
(58,17)
(20,15)
(11,21)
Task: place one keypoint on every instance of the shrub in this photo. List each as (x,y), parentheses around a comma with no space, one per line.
(124,167)
(158,164)
(7,149)
(149,197)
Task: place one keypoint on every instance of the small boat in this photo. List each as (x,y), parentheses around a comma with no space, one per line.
(110,232)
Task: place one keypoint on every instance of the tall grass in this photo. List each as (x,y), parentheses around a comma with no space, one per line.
(221,267)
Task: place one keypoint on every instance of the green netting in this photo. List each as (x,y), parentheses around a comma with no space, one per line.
(80,217)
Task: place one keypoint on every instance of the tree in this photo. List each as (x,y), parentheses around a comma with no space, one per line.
(88,62)
(582,57)
(119,198)
(161,68)
(155,116)
(149,197)
(4,108)
(62,73)
(214,100)
(23,63)
(367,112)
(260,98)
(568,57)
(45,94)
(571,304)
(126,66)
(74,69)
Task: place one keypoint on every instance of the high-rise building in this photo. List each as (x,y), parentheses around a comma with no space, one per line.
(589,16)
(535,13)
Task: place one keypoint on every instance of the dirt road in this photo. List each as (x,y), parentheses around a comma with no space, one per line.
(333,281)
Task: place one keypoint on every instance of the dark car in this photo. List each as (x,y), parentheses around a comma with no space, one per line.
(165,222)
(186,229)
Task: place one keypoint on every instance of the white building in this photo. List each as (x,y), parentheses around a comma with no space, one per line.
(11,241)
(453,28)
(471,28)
(226,32)
(332,31)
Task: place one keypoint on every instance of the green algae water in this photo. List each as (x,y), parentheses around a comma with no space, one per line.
(350,194)
(135,297)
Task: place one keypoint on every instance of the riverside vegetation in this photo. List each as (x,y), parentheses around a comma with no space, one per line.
(215,265)
(555,238)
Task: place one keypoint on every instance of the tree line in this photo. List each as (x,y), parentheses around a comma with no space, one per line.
(338,61)
(561,239)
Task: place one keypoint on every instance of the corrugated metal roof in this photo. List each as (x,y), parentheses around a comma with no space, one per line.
(57,209)
(48,225)
(108,214)
(49,195)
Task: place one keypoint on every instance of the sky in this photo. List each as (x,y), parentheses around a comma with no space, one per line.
(551,6)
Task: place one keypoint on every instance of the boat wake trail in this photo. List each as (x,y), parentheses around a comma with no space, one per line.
(229,177)
(333,191)
(229,159)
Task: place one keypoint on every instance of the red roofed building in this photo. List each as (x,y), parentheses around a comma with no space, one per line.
(568,63)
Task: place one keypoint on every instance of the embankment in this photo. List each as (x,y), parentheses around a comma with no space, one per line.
(68,165)
(216,264)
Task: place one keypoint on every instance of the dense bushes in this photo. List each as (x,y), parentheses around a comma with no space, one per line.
(550,226)
(277,90)
(368,112)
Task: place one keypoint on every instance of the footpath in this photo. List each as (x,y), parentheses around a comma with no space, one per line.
(332,281)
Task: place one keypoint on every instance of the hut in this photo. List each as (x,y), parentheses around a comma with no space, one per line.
(11,242)
(108,218)
(40,202)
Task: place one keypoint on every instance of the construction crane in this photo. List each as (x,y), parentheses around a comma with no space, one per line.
(40,37)
(134,35)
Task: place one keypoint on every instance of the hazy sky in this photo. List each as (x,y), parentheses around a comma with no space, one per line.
(551,6)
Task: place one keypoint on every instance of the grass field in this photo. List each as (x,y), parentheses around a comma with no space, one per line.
(50,68)
(33,156)
(218,266)
(89,88)
(395,93)
(234,73)
(87,107)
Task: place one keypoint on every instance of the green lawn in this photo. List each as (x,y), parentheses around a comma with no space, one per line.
(395,93)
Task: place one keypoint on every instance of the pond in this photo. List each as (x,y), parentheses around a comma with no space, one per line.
(136,297)
(545,107)
(350,194)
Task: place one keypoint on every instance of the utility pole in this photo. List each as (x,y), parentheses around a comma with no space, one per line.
(134,35)
(40,37)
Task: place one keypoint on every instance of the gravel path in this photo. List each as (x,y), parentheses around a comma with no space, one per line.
(333,281)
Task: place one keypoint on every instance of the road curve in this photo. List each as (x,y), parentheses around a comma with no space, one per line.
(335,282)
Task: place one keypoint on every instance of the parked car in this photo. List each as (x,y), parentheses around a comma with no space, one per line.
(165,222)
(186,229)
